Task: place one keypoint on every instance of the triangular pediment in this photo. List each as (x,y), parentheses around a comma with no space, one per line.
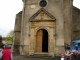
(42,15)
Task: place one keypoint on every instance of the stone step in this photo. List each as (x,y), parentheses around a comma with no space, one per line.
(46,55)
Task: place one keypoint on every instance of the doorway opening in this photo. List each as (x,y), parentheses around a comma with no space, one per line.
(42,41)
(45,41)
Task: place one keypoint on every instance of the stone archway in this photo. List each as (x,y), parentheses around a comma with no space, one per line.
(42,40)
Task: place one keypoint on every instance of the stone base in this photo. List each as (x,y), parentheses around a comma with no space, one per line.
(59,50)
(16,48)
(24,50)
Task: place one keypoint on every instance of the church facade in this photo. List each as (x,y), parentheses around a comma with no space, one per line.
(45,26)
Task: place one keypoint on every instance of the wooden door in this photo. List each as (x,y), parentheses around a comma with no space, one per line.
(39,41)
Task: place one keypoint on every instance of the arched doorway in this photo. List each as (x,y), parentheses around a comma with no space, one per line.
(42,41)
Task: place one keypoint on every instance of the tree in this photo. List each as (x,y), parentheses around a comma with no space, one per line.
(9,37)
(1,44)
(10,34)
(0,38)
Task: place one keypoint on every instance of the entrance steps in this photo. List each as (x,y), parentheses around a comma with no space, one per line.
(46,55)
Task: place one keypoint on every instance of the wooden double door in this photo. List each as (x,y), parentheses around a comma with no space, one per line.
(42,41)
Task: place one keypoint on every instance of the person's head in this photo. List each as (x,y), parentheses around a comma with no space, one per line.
(6,46)
(62,56)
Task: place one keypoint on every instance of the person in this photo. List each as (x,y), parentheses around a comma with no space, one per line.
(0,55)
(62,58)
(67,55)
(72,47)
(6,53)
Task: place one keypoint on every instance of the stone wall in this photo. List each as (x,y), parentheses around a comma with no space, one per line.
(76,23)
(17,31)
(66,24)
(67,9)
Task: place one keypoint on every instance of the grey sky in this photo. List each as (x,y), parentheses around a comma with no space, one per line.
(8,11)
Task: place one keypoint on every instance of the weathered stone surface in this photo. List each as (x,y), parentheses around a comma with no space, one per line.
(75,23)
(17,31)
(59,19)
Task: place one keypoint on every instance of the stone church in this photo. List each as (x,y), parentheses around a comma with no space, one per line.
(45,26)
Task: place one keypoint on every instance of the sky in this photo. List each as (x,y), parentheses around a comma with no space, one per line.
(8,11)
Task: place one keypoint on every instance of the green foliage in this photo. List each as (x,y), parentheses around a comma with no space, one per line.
(9,40)
(1,45)
(0,38)
(9,37)
(10,34)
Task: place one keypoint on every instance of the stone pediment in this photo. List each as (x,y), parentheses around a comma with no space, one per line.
(42,15)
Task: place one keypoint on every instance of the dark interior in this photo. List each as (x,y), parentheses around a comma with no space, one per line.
(45,41)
